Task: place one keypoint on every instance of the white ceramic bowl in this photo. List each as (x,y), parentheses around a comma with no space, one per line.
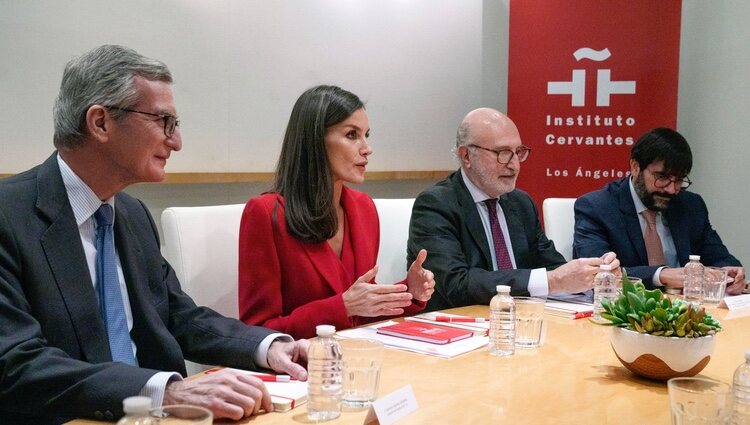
(661,357)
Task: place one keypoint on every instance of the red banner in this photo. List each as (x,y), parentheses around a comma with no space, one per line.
(585,80)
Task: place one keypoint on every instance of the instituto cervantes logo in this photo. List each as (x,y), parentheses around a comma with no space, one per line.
(605,87)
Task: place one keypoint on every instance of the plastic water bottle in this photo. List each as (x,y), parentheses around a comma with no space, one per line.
(741,414)
(502,323)
(605,286)
(693,288)
(137,412)
(324,376)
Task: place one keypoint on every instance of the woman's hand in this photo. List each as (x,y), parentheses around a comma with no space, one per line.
(368,300)
(421,282)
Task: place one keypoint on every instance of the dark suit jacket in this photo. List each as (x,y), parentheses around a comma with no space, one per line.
(54,356)
(292,286)
(606,220)
(446,223)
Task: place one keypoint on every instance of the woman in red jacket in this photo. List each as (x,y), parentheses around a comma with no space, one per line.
(308,248)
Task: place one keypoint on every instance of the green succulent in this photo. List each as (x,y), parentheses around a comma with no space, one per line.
(652,313)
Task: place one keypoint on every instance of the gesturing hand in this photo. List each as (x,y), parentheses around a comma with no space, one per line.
(421,282)
(368,300)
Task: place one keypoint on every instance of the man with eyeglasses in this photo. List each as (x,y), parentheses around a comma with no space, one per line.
(650,220)
(482,232)
(90,312)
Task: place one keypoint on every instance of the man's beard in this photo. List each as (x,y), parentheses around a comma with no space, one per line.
(648,198)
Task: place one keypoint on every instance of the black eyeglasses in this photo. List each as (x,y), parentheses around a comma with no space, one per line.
(504,156)
(170,121)
(661,181)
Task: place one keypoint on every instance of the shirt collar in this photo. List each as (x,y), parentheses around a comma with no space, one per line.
(83,200)
(476,193)
(639,206)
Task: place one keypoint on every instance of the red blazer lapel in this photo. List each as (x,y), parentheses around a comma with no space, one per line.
(365,237)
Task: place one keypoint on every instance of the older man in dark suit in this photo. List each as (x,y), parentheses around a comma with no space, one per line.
(482,232)
(650,220)
(90,313)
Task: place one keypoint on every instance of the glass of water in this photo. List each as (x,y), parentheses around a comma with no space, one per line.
(362,360)
(699,401)
(529,321)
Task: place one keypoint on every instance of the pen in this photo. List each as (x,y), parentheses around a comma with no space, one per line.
(460,319)
(275,378)
(582,314)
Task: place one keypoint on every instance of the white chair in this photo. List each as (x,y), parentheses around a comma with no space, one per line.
(394,217)
(559,224)
(201,244)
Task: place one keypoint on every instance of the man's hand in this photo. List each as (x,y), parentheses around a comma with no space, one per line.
(672,277)
(738,274)
(227,393)
(289,358)
(574,276)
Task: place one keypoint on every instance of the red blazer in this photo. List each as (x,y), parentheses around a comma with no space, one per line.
(292,286)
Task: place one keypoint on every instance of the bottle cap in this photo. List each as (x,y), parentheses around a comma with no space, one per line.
(325,330)
(502,289)
(695,257)
(136,404)
(605,267)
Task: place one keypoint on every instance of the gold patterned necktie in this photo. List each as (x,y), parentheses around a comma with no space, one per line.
(653,241)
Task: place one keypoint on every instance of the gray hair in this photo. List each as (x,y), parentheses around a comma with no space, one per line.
(462,137)
(103,76)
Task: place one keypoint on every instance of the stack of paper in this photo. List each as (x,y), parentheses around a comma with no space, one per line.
(285,395)
(445,351)
(479,327)
(569,310)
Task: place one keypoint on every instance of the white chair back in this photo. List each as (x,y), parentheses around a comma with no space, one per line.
(559,224)
(201,244)
(394,217)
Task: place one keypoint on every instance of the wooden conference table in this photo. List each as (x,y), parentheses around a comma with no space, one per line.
(573,378)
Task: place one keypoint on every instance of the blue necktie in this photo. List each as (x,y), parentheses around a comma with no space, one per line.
(108,287)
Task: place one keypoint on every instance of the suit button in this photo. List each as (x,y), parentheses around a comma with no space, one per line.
(98,415)
(108,415)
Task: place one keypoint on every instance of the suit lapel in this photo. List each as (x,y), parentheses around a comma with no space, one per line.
(515,228)
(360,233)
(473,222)
(679,229)
(632,225)
(320,255)
(62,246)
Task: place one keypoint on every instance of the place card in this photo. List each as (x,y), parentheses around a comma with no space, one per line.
(393,407)
(736,302)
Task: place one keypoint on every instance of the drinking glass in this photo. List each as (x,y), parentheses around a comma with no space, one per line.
(183,414)
(699,401)
(529,320)
(714,285)
(362,360)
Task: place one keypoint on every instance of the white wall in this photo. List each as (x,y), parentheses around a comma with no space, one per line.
(713,110)
(239,65)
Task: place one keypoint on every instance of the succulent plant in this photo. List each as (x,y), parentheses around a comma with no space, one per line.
(653,313)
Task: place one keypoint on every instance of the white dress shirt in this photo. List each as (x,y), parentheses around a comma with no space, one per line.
(538,285)
(662,228)
(85,203)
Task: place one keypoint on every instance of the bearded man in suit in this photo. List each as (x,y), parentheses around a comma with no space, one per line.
(618,217)
(482,232)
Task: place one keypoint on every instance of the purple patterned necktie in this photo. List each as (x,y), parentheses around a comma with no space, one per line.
(501,250)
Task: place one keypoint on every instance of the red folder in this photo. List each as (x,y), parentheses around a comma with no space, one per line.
(426,332)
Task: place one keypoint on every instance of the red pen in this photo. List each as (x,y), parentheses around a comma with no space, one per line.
(460,319)
(582,314)
(275,378)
